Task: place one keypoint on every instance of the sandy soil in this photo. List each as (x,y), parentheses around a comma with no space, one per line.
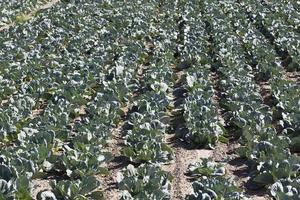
(292,76)
(109,182)
(181,185)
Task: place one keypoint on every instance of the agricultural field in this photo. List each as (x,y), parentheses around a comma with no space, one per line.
(149,99)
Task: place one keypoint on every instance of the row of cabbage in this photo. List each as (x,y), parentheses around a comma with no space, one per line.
(201,115)
(210,45)
(285,92)
(270,68)
(40,144)
(62,63)
(211,181)
(149,116)
(287,10)
(200,112)
(244,109)
(242,55)
(148,120)
(275,166)
(273,25)
(285,104)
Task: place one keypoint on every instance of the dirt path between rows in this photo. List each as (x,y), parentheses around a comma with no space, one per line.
(292,76)
(181,186)
(109,183)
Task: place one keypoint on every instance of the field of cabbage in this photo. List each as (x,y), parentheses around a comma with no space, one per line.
(150,99)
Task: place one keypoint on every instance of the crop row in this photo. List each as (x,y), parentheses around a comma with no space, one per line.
(275,27)
(243,56)
(269,67)
(288,11)
(200,112)
(265,150)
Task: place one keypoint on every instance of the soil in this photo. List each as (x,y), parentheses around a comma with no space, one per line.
(109,182)
(181,185)
(292,76)
(39,185)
